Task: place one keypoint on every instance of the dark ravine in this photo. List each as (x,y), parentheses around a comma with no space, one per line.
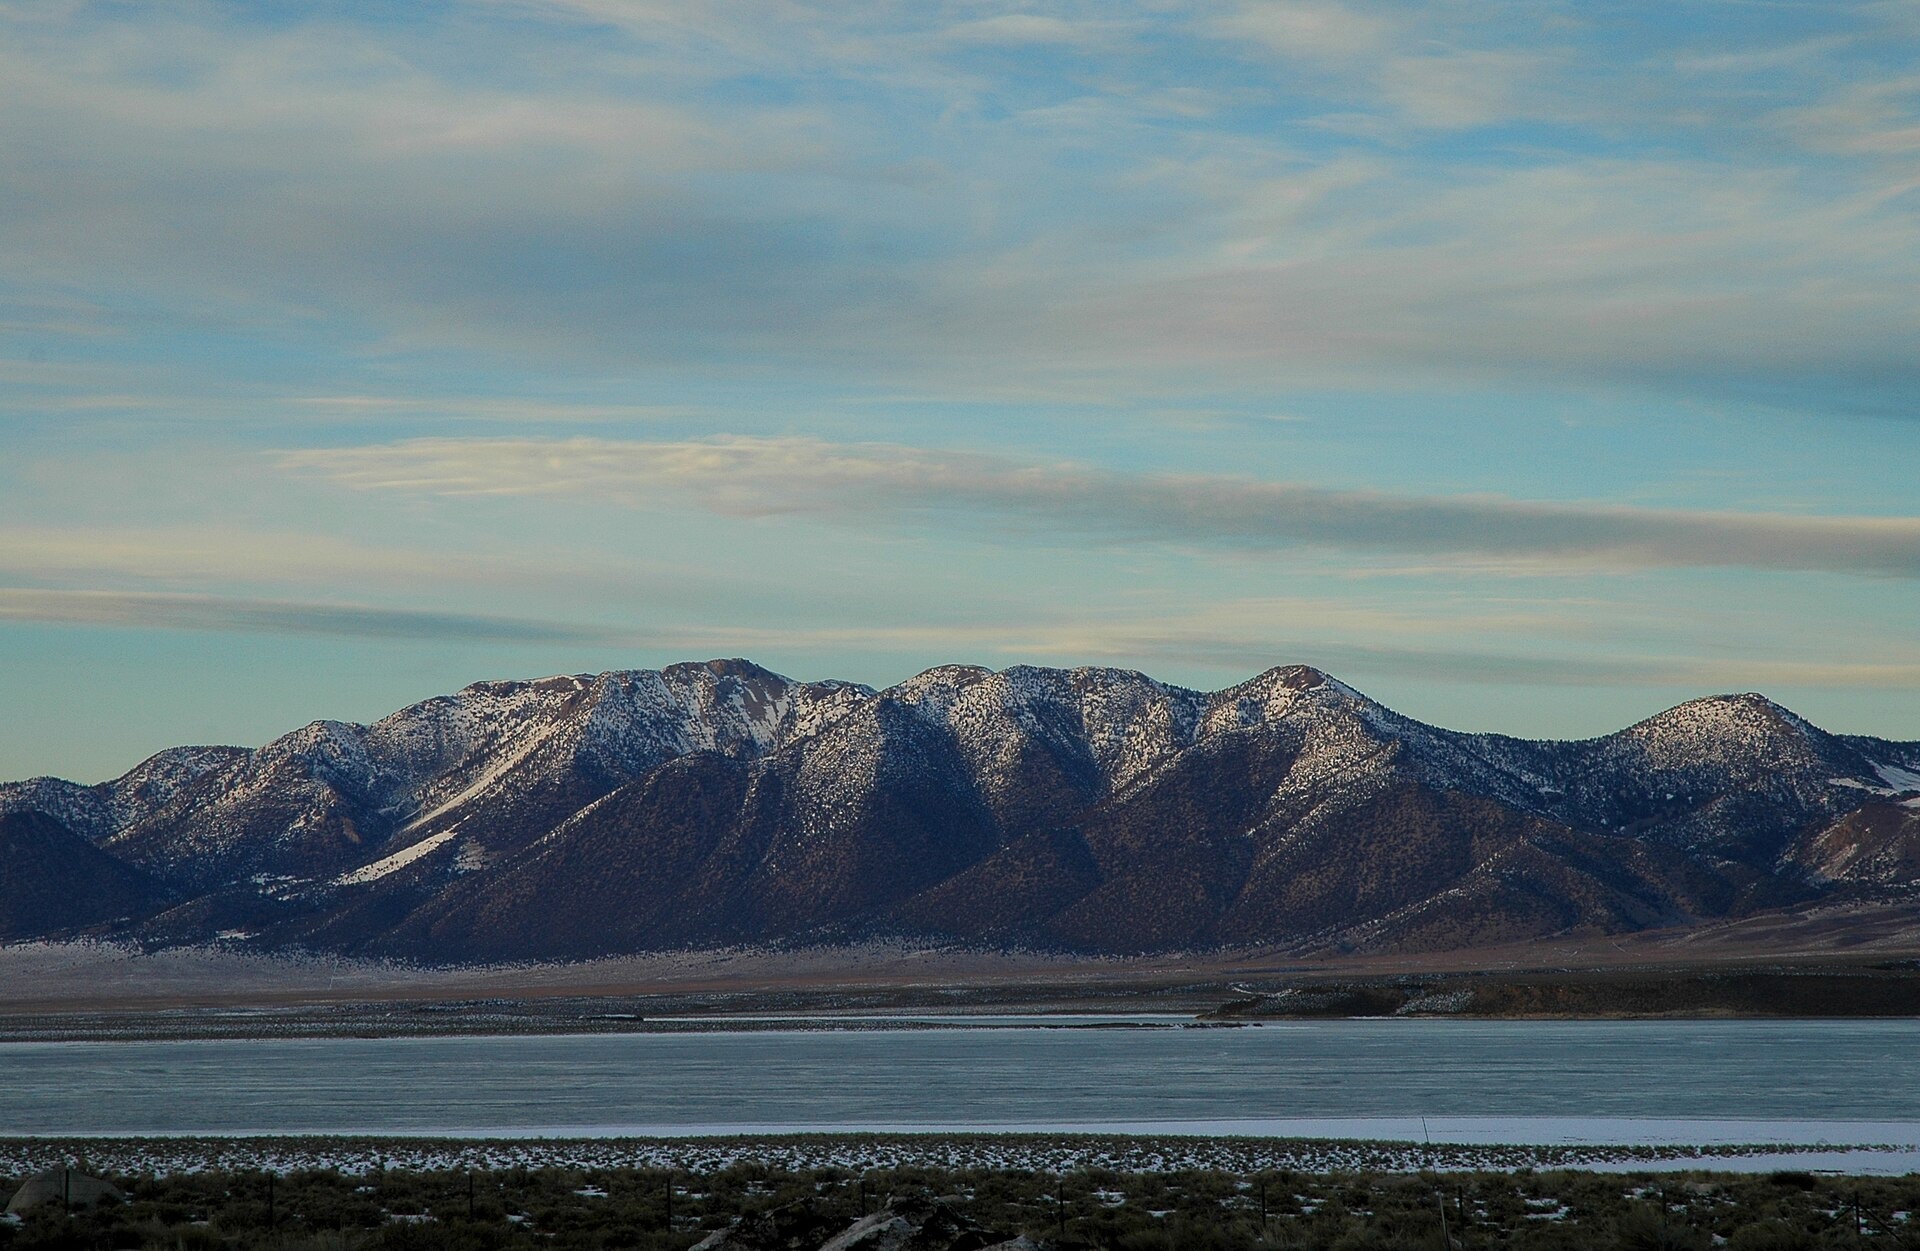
(1091,811)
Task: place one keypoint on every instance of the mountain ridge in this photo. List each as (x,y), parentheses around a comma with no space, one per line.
(1089,809)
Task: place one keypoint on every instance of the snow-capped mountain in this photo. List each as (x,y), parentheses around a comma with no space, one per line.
(1085,809)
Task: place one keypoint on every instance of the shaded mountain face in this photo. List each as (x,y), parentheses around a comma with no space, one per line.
(56,883)
(1088,809)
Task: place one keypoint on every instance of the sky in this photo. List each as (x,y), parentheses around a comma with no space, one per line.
(1530,366)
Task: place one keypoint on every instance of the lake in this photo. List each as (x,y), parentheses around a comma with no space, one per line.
(1615,1081)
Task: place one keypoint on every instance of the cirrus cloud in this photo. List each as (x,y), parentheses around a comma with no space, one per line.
(752,476)
(149,609)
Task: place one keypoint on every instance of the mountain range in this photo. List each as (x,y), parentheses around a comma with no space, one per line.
(1082,810)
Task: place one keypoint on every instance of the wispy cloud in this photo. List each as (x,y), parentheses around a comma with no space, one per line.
(263,616)
(1309,29)
(625,198)
(492,408)
(159,554)
(403,166)
(1401,62)
(1878,117)
(1576,261)
(765,477)
(1014,30)
(301,566)
(1763,58)
(1674,272)
(1235,637)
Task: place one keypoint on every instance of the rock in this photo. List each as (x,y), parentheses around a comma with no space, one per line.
(913,1224)
(883,1231)
(908,1224)
(799,1226)
(62,1185)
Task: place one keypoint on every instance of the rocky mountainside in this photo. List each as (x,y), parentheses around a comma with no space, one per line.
(1088,809)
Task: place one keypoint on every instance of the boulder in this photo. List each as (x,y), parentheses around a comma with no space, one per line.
(908,1224)
(799,1226)
(64,1185)
(913,1224)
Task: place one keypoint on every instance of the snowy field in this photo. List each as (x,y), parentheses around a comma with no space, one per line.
(1339,1146)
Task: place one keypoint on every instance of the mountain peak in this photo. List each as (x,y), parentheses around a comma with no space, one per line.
(506,688)
(1298,677)
(1751,701)
(948,675)
(728,667)
(1746,711)
(1284,686)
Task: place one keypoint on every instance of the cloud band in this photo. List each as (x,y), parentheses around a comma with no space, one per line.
(744,476)
(265,616)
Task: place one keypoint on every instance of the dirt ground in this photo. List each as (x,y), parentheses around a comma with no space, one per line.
(1860,961)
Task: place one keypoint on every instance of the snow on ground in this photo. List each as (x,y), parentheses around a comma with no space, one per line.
(488,776)
(1898,778)
(1549,1133)
(397,861)
(1054,1153)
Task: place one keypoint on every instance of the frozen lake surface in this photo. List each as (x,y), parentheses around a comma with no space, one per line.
(1807,1082)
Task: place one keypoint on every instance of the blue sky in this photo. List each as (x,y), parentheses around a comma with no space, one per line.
(1530,366)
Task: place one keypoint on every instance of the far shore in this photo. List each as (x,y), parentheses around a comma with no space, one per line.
(84,991)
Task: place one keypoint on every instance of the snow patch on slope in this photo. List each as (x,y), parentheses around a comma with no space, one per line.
(1896,777)
(397,861)
(488,776)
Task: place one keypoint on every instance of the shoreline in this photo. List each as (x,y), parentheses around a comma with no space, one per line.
(559,1018)
(381,1022)
(100,992)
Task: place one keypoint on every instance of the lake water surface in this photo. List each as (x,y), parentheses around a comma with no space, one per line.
(1715,1080)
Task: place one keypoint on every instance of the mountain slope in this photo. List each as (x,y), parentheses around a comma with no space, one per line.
(1086,809)
(56,882)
